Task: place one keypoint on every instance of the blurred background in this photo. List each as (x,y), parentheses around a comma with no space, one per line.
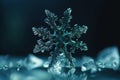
(17,17)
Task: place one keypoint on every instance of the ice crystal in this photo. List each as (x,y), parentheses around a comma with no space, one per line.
(32,62)
(63,39)
(63,35)
(30,67)
(87,63)
(109,58)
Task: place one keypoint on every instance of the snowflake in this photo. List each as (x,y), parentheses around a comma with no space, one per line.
(63,38)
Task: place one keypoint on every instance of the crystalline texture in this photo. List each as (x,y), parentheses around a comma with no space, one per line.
(62,36)
(109,58)
(87,63)
(32,62)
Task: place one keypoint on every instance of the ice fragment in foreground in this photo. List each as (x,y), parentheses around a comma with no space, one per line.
(32,62)
(87,63)
(108,58)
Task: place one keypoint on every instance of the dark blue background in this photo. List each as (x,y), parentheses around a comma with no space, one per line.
(17,17)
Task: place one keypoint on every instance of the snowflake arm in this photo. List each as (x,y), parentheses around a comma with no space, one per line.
(77,30)
(66,19)
(51,19)
(63,35)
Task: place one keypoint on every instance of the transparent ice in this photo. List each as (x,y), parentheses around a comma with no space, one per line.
(10,70)
(88,63)
(109,58)
(32,62)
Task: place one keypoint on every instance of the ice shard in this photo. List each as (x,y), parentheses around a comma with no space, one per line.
(32,62)
(109,58)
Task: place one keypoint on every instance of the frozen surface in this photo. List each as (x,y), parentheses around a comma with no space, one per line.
(36,68)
